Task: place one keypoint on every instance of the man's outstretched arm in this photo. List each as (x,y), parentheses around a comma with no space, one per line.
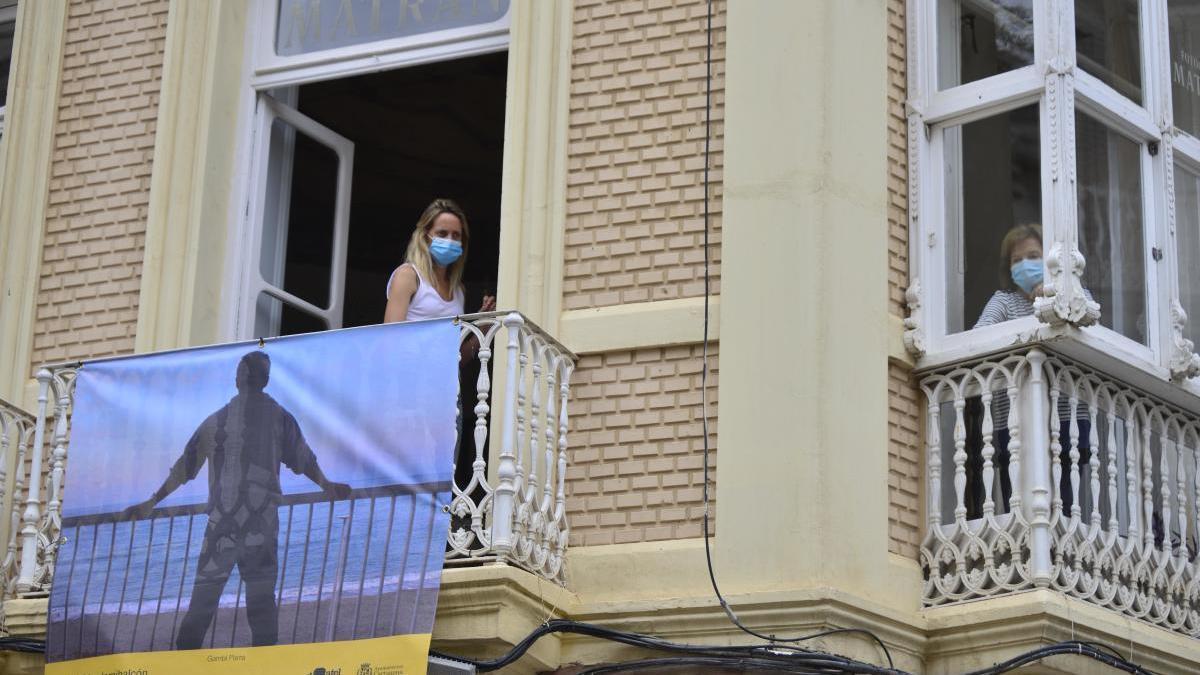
(302,460)
(336,490)
(185,469)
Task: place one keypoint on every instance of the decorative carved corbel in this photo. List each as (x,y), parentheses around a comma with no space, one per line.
(1184,362)
(914,335)
(1063,300)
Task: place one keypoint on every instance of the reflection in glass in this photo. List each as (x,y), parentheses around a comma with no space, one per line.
(992,185)
(981,38)
(1184,22)
(1108,43)
(1187,228)
(1110,225)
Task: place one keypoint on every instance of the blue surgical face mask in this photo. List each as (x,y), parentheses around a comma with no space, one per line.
(445,251)
(1027,274)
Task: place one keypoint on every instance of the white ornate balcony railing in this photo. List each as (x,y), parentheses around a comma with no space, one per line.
(510,507)
(515,512)
(16,435)
(1043,472)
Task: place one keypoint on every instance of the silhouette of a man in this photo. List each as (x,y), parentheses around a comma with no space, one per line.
(244,444)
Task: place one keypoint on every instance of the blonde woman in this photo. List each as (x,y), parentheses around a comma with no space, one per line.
(429,283)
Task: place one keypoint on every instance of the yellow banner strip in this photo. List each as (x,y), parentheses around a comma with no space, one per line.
(395,655)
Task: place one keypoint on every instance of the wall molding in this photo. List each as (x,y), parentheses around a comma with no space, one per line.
(190,185)
(645,324)
(31,115)
(534,199)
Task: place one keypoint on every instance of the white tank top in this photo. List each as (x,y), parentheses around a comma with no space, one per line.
(426,303)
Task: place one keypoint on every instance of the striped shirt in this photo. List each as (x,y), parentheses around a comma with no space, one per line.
(1006,305)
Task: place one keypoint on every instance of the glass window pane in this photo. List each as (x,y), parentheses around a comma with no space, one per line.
(1187,228)
(981,38)
(1184,21)
(1110,225)
(298,217)
(1108,43)
(993,213)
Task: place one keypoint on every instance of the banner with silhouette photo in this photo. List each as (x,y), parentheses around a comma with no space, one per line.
(251,508)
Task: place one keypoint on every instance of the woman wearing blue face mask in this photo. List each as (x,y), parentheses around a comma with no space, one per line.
(429,283)
(429,286)
(1020,276)
(1021,272)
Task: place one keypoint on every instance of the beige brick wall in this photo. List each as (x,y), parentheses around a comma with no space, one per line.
(904,419)
(905,470)
(636,470)
(100,179)
(635,181)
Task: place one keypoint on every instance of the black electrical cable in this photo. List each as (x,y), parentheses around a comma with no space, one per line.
(22,644)
(742,664)
(782,658)
(794,657)
(1070,647)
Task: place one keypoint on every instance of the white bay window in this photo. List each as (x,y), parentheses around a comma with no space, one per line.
(1054,204)
(1078,118)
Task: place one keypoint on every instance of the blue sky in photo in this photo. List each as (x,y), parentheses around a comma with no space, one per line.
(377,405)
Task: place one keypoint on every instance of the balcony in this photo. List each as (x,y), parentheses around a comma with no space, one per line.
(507,508)
(1045,472)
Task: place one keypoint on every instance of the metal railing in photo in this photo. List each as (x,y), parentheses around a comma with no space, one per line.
(510,507)
(1046,473)
(351,568)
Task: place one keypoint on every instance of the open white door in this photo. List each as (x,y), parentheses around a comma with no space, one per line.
(294,150)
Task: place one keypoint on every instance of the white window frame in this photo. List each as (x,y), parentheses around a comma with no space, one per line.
(8,14)
(261,209)
(272,70)
(1059,87)
(266,72)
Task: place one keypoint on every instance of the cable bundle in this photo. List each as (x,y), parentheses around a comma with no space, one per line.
(784,658)
(770,657)
(22,644)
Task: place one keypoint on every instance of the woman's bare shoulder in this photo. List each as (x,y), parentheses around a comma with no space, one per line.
(404,278)
(406,273)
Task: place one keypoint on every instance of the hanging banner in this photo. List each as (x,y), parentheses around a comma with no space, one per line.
(247,509)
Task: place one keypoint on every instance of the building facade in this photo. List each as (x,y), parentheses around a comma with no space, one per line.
(179,173)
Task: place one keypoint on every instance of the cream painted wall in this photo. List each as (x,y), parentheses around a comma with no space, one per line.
(35,77)
(195,150)
(804,325)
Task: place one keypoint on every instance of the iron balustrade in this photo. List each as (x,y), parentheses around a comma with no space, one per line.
(347,569)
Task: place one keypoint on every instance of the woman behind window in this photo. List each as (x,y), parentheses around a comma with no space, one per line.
(1020,275)
(429,286)
(429,283)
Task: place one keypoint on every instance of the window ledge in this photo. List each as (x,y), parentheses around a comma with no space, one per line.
(1091,346)
(970,635)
